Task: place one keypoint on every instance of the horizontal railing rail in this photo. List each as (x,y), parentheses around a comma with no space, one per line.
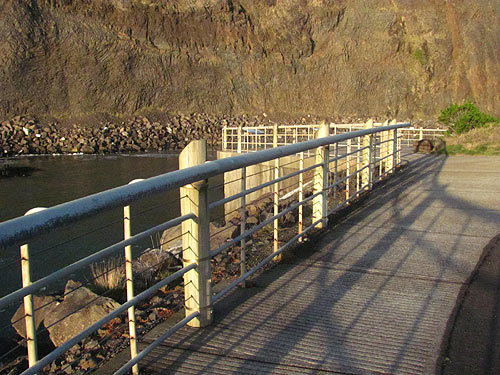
(343,167)
(254,138)
(26,227)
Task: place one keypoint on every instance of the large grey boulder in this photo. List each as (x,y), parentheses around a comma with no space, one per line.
(79,310)
(42,306)
(171,239)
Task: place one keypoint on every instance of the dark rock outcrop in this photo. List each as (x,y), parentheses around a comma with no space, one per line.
(326,57)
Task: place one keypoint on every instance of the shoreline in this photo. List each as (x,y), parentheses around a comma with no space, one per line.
(170,133)
(24,136)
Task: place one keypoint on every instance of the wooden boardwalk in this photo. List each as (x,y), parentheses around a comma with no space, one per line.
(374,295)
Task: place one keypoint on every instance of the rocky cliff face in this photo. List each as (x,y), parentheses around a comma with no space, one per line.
(400,58)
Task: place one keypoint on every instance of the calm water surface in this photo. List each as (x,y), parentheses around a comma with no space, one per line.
(59,179)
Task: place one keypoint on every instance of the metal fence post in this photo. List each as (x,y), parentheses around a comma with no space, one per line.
(397,146)
(301,195)
(393,147)
(196,238)
(320,202)
(336,173)
(366,157)
(358,165)
(243,224)
(224,138)
(129,274)
(276,191)
(348,170)
(384,136)
(29,311)
(372,160)
(238,147)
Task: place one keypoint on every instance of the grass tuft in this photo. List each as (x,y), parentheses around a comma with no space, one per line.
(108,274)
(480,141)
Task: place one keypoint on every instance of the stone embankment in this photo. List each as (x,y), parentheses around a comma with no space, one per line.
(23,136)
(27,136)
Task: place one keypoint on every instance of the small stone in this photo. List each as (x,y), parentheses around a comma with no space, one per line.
(252,220)
(53,367)
(153,316)
(88,364)
(156,300)
(91,345)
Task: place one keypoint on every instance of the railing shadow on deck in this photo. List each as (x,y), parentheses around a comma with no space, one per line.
(425,168)
(379,148)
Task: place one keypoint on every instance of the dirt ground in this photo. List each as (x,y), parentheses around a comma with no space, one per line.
(473,347)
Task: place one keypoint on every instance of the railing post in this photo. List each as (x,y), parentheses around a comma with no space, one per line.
(29,314)
(129,274)
(243,224)
(196,238)
(224,138)
(238,149)
(275,135)
(336,173)
(320,202)
(301,194)
(384,147)
(358,165)
(348,170)
(421,136)
(393,147)
(29,311)
(366,157)
(276,192)
(397,146)
(373,160)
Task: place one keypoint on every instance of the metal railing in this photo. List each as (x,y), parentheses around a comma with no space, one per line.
(343,167)
(255,138)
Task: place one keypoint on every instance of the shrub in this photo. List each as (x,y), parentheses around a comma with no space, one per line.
(462,118)
(420,56)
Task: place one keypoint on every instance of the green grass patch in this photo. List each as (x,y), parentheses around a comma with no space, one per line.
(478,150)
(420,56)
(470,131)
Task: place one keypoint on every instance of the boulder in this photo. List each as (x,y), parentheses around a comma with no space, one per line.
(79,310)
(152,263)
(290,218)
(171,238)
(423,145)
(252,210)
(252,220)
(42,305)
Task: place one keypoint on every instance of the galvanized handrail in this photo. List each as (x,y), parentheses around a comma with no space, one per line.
(68,270)
(191,179)
(94,327)
(253,138)
(27,227)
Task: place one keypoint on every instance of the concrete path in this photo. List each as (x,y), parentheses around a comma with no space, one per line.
(374,295)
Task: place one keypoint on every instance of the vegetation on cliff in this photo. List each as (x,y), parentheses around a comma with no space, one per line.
(463,118)
(472,132)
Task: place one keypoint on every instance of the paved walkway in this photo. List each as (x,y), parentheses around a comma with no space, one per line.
(374,295)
